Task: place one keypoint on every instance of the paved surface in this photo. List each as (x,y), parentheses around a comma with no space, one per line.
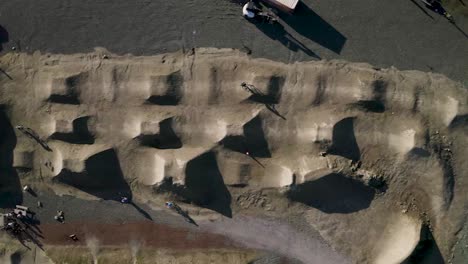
(383,33)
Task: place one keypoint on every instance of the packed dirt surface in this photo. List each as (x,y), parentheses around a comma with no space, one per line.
(372,159)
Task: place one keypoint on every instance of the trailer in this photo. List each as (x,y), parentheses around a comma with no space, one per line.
(287,6)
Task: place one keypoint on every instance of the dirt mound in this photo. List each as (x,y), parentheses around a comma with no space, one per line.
(325,134)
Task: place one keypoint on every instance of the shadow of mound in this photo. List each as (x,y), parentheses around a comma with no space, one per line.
(255,138)
(10,187)
(80,135)
(15,258)
(310,25)
(4,37)
(378,102)
(426,250)
(102,177)
(235,143)
(72,90)
(141,211)
(333,193)
(205,185)
(165,139)
(460,121)
(344,141)
(369,106)
(166,99)
(174,82)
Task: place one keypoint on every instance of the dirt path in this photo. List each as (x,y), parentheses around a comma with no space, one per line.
(148,233)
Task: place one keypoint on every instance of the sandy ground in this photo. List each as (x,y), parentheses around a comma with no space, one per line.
(178,126)
(148,233)
(400,33)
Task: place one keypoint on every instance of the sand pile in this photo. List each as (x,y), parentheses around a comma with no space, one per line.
(365,150)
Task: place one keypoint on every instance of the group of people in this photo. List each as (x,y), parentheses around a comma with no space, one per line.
(12,223)
(254,11)
(17,221)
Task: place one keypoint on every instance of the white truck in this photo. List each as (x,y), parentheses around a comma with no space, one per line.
(287,6)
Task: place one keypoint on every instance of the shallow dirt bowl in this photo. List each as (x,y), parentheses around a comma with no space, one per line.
(153,171)
(398,240)
(276,176)
(23,159)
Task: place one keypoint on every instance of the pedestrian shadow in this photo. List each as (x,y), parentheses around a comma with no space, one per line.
(271,98)
(422,9)
(276,31)
(310,25)
(4,37)
(141,211)
(437,8)
(461,30)
(4,72)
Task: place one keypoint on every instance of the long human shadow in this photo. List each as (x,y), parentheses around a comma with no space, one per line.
(277,32)
(344,141)
(271,98)
(204,184)
(426,251)
(333,193)
(274,89)
(310,25)
(422,9)
(5,73)
(10,186)
(461,30)
(31,231)
(4,37)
